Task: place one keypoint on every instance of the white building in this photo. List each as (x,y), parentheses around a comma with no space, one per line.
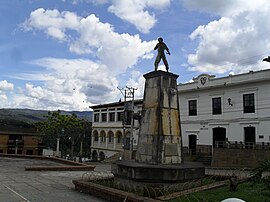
(232,110)
(108,129)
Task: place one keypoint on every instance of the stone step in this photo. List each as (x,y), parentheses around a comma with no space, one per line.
(113,158)
(206,160)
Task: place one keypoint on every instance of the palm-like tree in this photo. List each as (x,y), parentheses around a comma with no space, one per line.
(257,173)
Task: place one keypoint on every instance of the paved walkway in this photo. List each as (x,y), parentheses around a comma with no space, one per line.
(16,184)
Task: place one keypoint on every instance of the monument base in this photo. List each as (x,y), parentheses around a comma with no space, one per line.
(156,174)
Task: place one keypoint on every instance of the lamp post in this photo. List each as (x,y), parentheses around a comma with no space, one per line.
(57,146)
(128,93)
(81,146)
(58,142)
(16,146)
(72,146)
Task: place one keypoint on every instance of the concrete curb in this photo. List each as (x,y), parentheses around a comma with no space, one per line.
(108,193)
(60,168)
(73,166)
(51,158)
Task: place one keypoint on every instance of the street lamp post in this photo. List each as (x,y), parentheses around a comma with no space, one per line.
(81,146)
(129,93)
(16,146)
(57,146)
(58,143)
(72,146)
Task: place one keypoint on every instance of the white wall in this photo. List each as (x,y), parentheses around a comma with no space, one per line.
(232,117)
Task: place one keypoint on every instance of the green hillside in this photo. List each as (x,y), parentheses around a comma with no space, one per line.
(31,116)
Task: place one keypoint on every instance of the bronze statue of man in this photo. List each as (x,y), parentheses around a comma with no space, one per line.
(161,47)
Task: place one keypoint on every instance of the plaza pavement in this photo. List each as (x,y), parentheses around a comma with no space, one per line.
(17,185)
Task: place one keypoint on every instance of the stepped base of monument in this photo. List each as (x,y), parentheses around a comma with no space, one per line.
(126,170)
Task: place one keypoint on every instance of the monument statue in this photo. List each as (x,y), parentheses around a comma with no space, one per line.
(159,159)
(161,47)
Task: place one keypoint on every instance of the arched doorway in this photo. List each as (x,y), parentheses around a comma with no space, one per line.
(110,137)
(192,144)
(94,155)
(102,136)
(249,136)
(101,156)
(95,134)
(219,137)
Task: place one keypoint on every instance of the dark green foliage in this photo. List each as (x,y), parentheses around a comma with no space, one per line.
(16,126)
(247,191)
(69,128)
(257,174)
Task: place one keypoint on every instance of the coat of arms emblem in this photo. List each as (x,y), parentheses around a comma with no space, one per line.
(203,80)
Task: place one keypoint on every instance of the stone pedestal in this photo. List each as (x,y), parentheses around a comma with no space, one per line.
(160,134)
(159,158)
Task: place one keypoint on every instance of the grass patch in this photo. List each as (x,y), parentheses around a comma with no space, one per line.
(247,191)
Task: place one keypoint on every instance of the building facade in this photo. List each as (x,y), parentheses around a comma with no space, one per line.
(17,140)
(232,111)
(227,112)
(110,134)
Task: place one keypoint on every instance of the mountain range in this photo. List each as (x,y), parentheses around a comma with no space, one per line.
(32,116)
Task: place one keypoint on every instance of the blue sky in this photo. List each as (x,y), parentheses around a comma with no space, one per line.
(70,54)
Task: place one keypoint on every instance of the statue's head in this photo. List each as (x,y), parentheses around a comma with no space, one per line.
(160,39)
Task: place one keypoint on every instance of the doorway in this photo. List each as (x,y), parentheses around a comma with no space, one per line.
(94,155)
(249,137)
(101,156)
(219,137)
(192,144)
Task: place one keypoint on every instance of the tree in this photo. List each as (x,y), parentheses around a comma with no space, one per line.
(69,128)
(257,174)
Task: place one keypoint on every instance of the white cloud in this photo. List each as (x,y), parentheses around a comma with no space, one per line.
(117,51)
(4,100)
(75,2)
(6,86)
(81,82)
(67,84)
(135,12)
(52,22)
(236,42)
(75,84)
(225,8)
(137,81)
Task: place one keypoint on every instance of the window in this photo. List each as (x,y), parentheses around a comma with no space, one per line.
(103,137)
(192,107)
(120,116)
(95,136)
(248,102)
(110,134)
(216,105)
(96,117)
(111,116)
(104,117)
